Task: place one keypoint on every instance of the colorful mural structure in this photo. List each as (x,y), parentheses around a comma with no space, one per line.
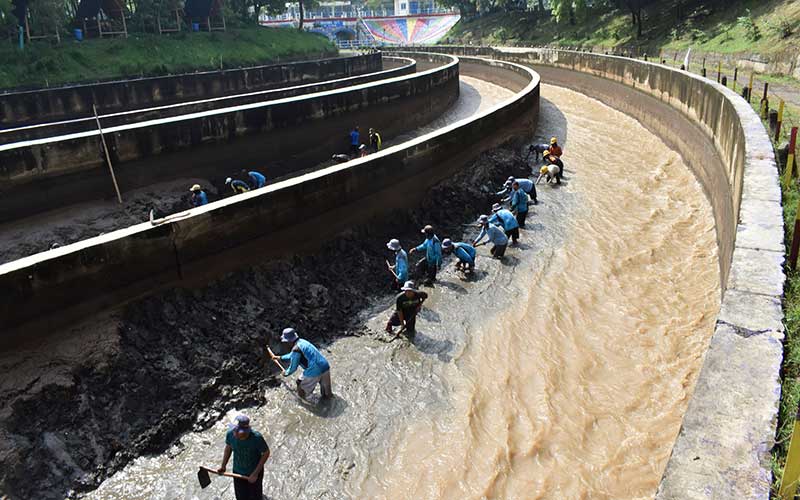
(407,30)
(420,29)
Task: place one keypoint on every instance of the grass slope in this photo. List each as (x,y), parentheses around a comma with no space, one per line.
(43,64)
(703,28)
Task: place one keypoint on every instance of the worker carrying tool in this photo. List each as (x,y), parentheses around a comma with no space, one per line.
(464,252)
(407,304)
(375,141)
(316,369)
(199,197)
(506,219)
(432,261)
(519,203)
(250,453)
(526,185)
(496,236)
(550,174)
(237,186)
(255,179)
(400,268)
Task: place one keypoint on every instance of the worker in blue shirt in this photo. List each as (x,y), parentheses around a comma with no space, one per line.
(519,203)
(505,218)
(316,369)
(464,252)
(400,268)
(255,179)
(496,236)
(355,142)
(432,261)
(237,186)
(199,197)
(526,185)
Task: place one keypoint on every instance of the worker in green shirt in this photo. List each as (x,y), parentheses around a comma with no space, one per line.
(250,453)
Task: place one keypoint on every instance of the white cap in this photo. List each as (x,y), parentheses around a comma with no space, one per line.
(483,219)
(447,243)
(408,287)
(496,207)
(228,180)
(394,244)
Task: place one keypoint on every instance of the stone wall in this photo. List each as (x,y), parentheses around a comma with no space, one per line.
(398,67)
(76,280)
(723,449)
(66,103)
(282,136)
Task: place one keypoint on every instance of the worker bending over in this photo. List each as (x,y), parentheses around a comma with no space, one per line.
(432,261)
(551,173)
(237,186)
(506,219)
(537,150)
(464,252)
(255,179)
(496,236)
(400,268)
(316,369)
(407,304)
(526,185)
(199,197)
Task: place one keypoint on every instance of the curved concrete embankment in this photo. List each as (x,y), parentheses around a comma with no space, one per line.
(399,67)
(75,101)
(78,279)
(723,447)
(280,136)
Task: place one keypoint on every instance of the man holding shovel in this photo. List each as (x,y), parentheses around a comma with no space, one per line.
(250,453)
(400,268)
(316,369)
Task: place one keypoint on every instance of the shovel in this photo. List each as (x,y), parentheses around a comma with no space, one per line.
(204,479)
(275,360)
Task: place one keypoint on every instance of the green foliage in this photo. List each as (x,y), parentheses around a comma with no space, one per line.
(8,21)
(748,24)
(152,55)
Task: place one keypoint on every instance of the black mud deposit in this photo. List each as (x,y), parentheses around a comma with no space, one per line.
(184,357)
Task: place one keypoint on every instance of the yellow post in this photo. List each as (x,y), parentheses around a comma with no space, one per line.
(779,123)
(791,472)
(719,71)
(750,92)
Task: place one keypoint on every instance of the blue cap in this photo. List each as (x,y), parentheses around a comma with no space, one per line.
(288,335)
(241,424)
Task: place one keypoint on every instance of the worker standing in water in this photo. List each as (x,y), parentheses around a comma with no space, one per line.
(375,141)
(250,453)
(496,236)
(519,203)
(506,219)
(199,197)
(237,186)
(432,261)
(400,268)
(407,304)
(464,252)
(255,179)
(555,149)
(316,369)
(355,142)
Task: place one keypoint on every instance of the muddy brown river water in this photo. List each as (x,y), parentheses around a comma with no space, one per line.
(562,372)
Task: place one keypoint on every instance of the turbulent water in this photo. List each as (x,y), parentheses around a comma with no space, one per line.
(562,372)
